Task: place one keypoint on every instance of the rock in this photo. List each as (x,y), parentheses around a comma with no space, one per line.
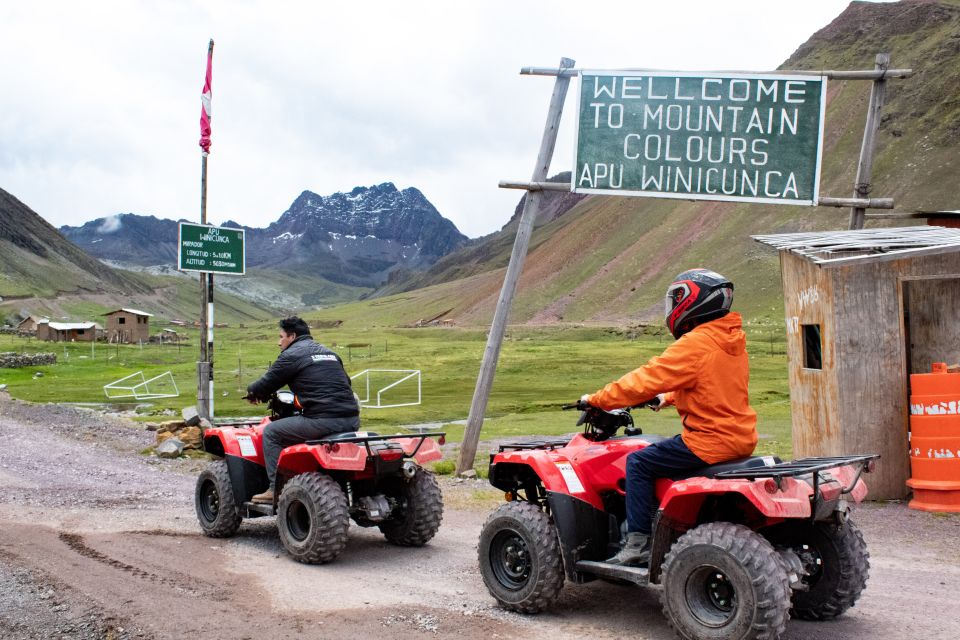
(151,426)
(469,473)
(170,448)
(190,416)
(3,387)
(205,424)
(191,437)
(163,435)
(171,425)
(38,374)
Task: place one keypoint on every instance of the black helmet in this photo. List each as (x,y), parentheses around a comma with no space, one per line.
(696,296)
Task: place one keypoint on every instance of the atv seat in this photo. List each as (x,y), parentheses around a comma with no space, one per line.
(741,463)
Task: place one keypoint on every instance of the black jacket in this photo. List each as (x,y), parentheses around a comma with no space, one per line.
(315,375)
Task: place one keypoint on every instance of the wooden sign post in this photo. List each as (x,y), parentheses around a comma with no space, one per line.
(481,394)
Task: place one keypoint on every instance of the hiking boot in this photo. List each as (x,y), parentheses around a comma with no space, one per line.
(635,551)
(264,498)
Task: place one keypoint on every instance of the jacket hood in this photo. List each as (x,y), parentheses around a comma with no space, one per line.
(727,332)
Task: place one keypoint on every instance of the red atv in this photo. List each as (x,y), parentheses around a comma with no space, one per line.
(737,546)
(322,484)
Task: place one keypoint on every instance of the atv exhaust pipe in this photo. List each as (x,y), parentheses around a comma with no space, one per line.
(409,469)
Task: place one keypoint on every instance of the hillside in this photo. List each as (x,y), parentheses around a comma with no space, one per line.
(608,260)
(42,273)
(36,260)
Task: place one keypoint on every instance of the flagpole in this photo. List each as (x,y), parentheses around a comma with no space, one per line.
(205,366)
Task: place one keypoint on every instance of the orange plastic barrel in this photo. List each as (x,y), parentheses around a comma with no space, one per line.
(935,440)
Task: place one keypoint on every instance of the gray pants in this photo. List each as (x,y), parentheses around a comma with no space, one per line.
(282,433)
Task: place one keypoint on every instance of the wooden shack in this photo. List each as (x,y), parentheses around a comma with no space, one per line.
(66,331)
(128,326)
(864,310)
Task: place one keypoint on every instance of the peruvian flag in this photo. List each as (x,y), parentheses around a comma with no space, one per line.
(205,98)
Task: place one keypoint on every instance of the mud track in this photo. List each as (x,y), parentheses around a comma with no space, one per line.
(98,541)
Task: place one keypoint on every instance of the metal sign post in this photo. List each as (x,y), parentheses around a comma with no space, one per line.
(481,394)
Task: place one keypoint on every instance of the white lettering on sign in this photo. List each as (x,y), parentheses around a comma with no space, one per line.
(809,296)
(570,477)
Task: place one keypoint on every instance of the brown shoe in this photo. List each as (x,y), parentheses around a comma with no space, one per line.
(265,498)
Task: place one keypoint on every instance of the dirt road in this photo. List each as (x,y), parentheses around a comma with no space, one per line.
(98,541)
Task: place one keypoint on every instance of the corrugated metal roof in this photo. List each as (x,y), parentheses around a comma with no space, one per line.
(135,312)
(68,326)
(837,248)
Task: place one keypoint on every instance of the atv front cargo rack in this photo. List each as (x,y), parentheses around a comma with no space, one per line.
(555,443)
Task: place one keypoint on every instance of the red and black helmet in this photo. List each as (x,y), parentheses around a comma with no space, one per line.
(696,296)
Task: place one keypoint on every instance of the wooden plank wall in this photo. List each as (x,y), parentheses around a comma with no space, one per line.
(871,371)
(934,321)
(808,299)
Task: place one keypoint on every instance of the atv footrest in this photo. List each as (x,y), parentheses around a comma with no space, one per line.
(257,509)
(636,575)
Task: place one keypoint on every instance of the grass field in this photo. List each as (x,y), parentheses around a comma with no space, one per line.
(539,369)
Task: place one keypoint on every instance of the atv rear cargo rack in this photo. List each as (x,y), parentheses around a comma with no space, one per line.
(366,440)
(806,466)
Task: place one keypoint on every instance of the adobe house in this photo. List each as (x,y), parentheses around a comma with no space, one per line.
(128,326)
(864,310)
(30,323)
(67,331)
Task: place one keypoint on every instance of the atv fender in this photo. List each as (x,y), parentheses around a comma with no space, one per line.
(304,458)
(241,442)
(683,500)
(554,473)
(428,451)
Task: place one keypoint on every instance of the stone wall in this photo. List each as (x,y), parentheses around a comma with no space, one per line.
(12,360)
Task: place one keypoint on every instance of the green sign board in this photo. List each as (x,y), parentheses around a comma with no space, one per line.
(210,249)
(700,136)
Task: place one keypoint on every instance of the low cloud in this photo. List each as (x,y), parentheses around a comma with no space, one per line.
(110,225)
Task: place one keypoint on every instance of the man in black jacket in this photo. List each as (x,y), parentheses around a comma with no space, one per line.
(316,376)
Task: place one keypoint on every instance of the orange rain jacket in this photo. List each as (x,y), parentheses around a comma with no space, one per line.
(705,374)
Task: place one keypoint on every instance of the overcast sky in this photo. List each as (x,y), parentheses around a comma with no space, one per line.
(100,101)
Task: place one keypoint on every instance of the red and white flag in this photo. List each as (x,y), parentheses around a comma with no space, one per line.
(205,98)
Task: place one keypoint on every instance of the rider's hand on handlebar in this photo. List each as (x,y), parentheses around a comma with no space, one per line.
(583,403)
(252,399)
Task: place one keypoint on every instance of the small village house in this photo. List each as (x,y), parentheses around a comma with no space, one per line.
(29,324)
(128,326)
(66,331)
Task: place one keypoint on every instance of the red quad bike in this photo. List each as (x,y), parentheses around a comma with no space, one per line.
(737,546)
(322,484)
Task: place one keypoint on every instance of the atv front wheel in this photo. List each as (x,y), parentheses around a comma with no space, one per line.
(723,580)
(837,563)
(420,512)
(217,510)
(312,517)
(520,558)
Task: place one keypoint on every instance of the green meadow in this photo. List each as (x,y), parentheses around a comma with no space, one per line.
(539,369)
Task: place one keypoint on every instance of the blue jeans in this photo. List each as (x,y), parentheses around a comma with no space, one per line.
(659,460)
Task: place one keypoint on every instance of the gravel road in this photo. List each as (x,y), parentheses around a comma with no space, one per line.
(99,541)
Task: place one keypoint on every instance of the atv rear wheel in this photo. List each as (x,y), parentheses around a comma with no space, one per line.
(312,518)
(723,580)
(520,558)
(837,562)
(420,512)
(217,510)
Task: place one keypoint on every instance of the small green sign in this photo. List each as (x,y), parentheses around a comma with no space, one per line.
(699,136)
(211,249)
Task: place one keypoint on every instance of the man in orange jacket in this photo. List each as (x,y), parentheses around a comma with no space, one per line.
(705,375)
